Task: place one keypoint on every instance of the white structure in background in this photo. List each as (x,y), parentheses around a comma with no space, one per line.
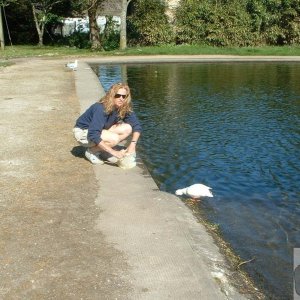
(170,9)
(71,25)
(110,8)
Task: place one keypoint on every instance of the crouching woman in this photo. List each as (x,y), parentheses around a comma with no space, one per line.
(106,123)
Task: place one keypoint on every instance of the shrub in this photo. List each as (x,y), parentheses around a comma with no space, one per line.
(77,39)
(225,24)
(148,24)
(238,23)
(231,26)
(192,19)
(110,37)
(276,21)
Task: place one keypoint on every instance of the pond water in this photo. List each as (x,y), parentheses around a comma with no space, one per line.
(234,127)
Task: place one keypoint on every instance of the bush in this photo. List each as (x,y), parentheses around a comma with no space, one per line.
(110,37)
(226,24)
(77,39)
(231,26)
(276,21)
(192,19)
(147,24)
(238,23)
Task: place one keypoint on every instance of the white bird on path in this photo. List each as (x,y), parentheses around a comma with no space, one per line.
(72,65)
(195,191)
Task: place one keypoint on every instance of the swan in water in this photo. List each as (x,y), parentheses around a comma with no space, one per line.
(195,191)
(72,65)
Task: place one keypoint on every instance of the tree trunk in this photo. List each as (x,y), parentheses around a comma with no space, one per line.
(94,29)
(123,30)
(39,26)
(41,35)
(2,43)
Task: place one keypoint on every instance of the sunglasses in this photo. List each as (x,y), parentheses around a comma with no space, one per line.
(120,95)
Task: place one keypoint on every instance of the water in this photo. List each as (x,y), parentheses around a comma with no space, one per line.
(234,127)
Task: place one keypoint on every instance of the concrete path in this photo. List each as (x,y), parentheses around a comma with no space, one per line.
(71,230)
(170,254)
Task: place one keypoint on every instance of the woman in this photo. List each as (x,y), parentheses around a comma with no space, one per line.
(106,123)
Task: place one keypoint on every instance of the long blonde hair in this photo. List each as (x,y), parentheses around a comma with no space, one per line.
(108,100)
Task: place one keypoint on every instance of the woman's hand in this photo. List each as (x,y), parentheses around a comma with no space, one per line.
(131,148)
(119,154)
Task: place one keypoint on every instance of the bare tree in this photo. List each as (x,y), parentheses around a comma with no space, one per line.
(2,42)
(2,4)
(123,30)
(41,10)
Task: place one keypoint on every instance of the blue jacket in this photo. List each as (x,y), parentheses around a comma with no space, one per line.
(95,119)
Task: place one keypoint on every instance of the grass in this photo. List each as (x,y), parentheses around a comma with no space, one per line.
(46,51)
(5,63)
(55,51)
(209,50)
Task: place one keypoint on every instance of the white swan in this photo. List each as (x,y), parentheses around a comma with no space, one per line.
(72,65)
(195,191)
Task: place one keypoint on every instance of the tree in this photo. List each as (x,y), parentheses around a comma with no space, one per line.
(91,7)
(94,5)
(2,43)
(2,4)
(123,29)
(41,11)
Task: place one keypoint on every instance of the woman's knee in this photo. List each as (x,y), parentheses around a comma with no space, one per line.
(114,139)
(127,129)
(123,129)
(116,133)
(110,137)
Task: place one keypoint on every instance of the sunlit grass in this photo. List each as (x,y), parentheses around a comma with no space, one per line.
(209,50)
(54,51)
(46,51)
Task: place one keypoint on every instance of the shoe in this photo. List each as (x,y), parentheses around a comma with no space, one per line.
(108,157)
(94,159)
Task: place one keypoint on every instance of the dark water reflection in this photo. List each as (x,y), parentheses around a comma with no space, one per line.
(234,127)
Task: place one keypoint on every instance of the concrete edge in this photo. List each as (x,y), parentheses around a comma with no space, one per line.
(189,59)
(89,90)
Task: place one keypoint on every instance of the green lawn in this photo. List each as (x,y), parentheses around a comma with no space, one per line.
(49,51)
(209,50)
